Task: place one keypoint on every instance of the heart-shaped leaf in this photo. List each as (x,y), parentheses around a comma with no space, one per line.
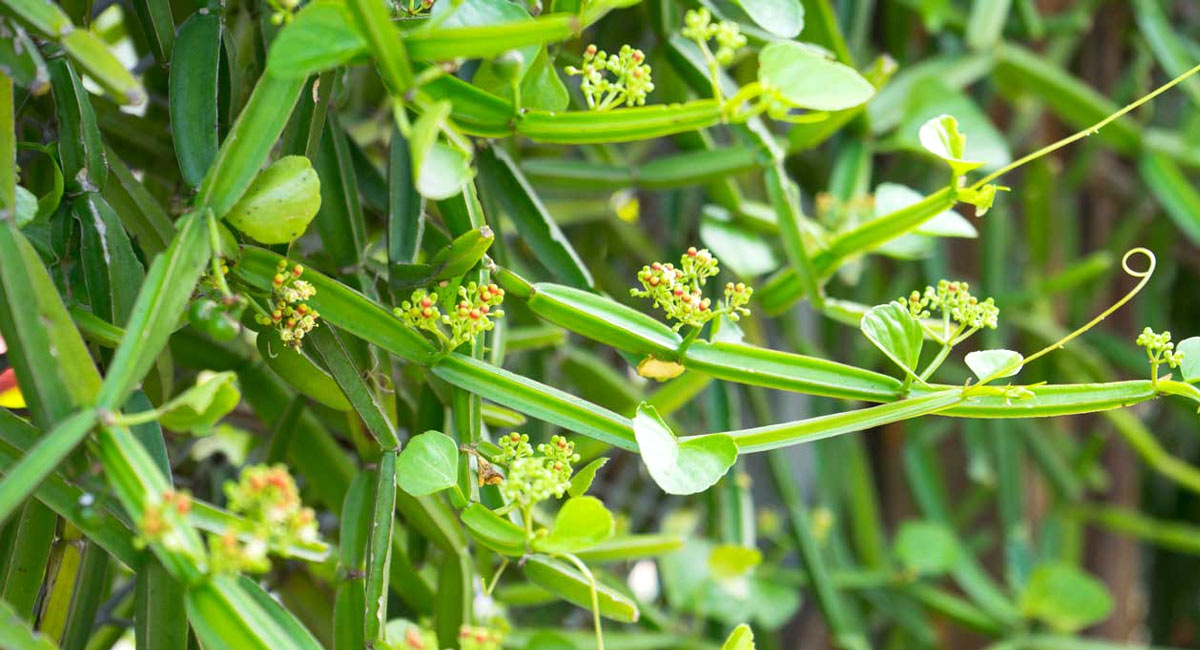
(428,463)
(926,547)
(802,77)
(783,18)
(985,362)
(1065,598)
(940,137)
(1190,366)
(742,638)
(687,467)
(581,523)
(584,477)
(896,333)
(203,405)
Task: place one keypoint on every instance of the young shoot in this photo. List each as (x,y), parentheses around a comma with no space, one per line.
(610,80)
(678,291)
(1160,350)
(699,27)
(462,323)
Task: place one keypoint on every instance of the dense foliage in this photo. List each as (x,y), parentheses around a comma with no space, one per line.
(364,324)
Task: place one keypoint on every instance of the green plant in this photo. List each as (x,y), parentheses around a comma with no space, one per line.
(289,264)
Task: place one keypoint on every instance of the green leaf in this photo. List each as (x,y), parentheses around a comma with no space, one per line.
(985,362)
(428,464)
(687,467)
(494,531)
(804,78)
(280,203)
(23,478)
(1190,367)
(892,197)
(940,137)
(1065,598)
(742,638)
(442,172)
(631,547)
(926,547)
(203,405)
(783,18)
(320,37)
(896,333)
(567,583)
(541,87)
(581,523)
(727,561)
(583,477)
(981,198)
(26,208)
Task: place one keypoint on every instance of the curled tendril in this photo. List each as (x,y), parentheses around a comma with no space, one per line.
(1144,278)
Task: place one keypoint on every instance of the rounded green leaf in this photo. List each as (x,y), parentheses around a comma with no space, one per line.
(783,18)
(896,333)
(986,362)
(926,547)
(687,467)
(802,77)
(428,463)
(581,523)
(1190,367)
(1065,598)
(280,203)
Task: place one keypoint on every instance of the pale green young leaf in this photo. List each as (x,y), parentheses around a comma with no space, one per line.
(687,467)
(783,18)
(427,464)
(892,197)
(439,171)
(895,331)
(581,523)
(801,77)
(926,547)
(742,638)
(940,137)
(584,477)
(1190,367)
(985,362)
(200,407)
(727,561)
(1065,597)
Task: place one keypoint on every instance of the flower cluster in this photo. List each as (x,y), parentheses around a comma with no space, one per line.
(158,520)
(269,503)
(678,290)
(630,82)
(954,300)
(290,314)
(534,478)
(284,10)
(1159,349)
(467,319)
(700,28)
(475,637)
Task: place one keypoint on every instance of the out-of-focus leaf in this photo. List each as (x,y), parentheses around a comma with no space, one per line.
(1065,598)
(926,547)
(804,78)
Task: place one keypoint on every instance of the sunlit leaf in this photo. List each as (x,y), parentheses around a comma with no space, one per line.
(783,18)
(804,78)
(427,464)
(896,333)
(581,523)
(940,136)
(985,362)
(687,467)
